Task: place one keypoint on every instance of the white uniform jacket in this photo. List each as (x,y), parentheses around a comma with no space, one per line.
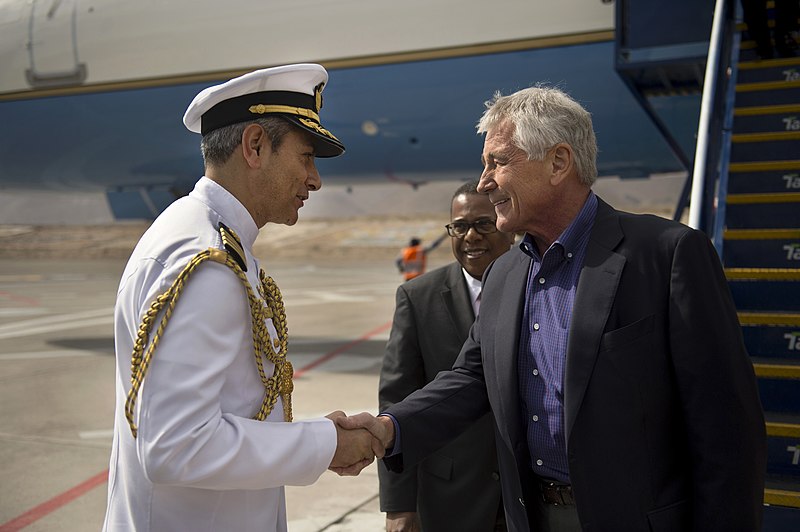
(200,462)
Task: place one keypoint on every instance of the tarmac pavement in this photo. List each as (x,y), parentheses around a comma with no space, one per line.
(57,362)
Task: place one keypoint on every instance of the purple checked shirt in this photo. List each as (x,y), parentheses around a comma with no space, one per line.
(549,296)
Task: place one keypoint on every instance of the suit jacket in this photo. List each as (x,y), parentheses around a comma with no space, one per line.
(663,422)
(456,487)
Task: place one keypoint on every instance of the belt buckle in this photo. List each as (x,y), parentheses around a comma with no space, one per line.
(557,494)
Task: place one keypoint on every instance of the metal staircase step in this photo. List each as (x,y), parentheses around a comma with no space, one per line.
(766,166)
(764,86)
(762,216)
(789,319)
(770,368)
(783,446)
(782,69)
(776,296)
(762,274)
(782,493)
(772,92)
(763,211)
(779,390)
(766,118)
(767,136)
(761,234)
(768,176)
(777,342)
(779,395)
(768,146)
(761,248)
(781,504)
(767,289)
(780,197)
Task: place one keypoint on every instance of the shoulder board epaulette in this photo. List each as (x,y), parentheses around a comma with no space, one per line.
(233,245)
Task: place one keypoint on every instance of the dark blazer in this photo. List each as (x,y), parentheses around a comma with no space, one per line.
(456,487)
(663,422)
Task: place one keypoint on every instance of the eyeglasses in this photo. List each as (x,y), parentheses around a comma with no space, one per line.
(460,229)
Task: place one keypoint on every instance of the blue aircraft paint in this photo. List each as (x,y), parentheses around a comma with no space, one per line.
(420,120)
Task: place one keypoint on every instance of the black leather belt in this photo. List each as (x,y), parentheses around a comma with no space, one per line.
(553,493)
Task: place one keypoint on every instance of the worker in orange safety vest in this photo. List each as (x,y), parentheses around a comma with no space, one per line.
(411,261)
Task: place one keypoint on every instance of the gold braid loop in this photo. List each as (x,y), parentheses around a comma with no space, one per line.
(271,306)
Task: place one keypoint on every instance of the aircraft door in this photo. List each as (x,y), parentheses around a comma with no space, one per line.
(53,44)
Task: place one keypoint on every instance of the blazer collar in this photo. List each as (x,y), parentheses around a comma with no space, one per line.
(594,297)
(506,347)
(456,298)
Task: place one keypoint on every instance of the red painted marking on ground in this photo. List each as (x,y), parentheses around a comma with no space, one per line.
(30,301)
(338,351)
(48,507)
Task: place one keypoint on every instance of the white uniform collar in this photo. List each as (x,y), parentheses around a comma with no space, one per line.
(230,209)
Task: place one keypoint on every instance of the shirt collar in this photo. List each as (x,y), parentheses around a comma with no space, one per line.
(568,240)
(474,285)
(229,209)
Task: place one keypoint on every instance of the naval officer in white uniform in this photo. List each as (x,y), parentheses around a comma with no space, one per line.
(203,439)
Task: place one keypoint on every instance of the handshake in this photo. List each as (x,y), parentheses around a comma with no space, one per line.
(359,440)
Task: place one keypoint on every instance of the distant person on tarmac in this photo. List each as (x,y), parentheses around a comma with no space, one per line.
(202,439)
(412,260)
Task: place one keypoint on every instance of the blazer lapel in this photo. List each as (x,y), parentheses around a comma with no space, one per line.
(594,297)
(455,295)
(503,354)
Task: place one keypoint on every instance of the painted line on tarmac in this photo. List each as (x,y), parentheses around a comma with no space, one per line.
(25,438)
(48,507)
(96,434)
(93,313)
(20,311)
(89,318)
(35,355)
(339,350)
(71,494)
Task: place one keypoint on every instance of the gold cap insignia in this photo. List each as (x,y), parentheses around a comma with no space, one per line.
(318,96)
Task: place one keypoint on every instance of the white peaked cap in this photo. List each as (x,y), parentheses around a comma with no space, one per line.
(291,91)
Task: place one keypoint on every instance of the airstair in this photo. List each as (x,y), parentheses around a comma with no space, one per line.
(761,255)
(745,192)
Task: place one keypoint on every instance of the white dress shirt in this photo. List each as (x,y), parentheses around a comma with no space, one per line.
(474,286)
(200,462)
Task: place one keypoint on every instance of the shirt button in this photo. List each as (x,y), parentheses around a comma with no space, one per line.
(536,372)
(539,462)
(535,417)
(541,280)
(535,326)
(569,255)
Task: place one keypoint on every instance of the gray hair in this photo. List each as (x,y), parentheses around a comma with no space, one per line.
(218,145)
(543,117)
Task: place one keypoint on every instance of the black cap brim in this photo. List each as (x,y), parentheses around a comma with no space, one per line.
(325,143)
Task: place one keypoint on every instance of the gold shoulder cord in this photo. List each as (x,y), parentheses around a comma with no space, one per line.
(271,306)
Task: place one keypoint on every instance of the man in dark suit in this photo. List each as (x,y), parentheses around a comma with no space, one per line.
(431,321)
(607,348)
